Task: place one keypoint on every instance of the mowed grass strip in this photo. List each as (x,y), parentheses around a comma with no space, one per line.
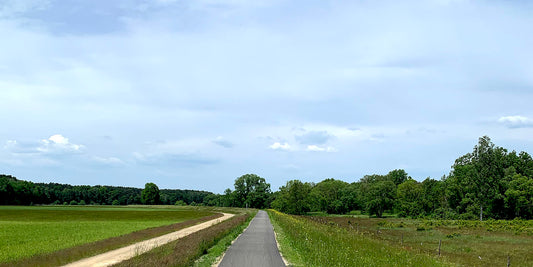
(51,233)
(211,241)
(307,243)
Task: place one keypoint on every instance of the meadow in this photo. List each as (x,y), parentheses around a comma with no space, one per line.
(28,232)
(462,242)
(305,242)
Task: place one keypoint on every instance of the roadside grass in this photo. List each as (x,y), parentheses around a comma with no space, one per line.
(304,242)
(53,235)
(201,248)
(466,243)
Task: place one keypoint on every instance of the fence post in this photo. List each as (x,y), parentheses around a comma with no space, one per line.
(508,260)
(402,239)
(439,246)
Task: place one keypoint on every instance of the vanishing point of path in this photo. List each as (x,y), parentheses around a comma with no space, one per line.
(255,247)
(121,254)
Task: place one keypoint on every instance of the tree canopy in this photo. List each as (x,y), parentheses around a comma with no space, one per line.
(150,194)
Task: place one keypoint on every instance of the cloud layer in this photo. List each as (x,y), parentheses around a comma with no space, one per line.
(192,94)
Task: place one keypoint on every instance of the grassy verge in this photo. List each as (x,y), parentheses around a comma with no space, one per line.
(466,243)
(50,236)
(211,241)
(304,242)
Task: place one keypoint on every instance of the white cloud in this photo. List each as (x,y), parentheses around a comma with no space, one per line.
(55,144)
(58,139)
(516,121)
(59,144)
(316,148)
(280,146)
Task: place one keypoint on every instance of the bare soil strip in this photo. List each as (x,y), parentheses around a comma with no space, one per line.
(121,254)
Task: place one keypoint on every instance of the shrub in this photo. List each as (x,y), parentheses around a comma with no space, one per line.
(180,203)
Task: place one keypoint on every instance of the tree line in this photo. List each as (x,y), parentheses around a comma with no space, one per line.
(19,192)
(489,182)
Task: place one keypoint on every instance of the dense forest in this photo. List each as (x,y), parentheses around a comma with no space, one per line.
(489,182)
(19,192)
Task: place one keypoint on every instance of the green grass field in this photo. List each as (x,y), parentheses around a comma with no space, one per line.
(463,243)
(305,242)
(29,231)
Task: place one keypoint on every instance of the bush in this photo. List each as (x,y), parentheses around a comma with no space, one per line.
(73,202)
(115,202)
(180,203)
(82,202)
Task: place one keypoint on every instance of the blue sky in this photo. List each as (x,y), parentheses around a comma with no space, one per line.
(193,94)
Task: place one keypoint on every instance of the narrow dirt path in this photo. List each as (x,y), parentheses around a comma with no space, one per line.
(256,247)
(121,254)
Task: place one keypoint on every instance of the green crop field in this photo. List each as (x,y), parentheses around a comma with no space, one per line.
(29,231)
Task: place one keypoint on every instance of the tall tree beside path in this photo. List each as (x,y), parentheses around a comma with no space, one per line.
(251,191)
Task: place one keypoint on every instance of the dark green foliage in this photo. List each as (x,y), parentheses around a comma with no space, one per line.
(293,198)
(19,192)
(398,176)
(327,196)
(379,193)
(484,183)
(489,182)
(409,195)
(180,203)
(251,191)
(150,194)
(519,196)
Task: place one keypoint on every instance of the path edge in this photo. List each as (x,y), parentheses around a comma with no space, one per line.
(219,259)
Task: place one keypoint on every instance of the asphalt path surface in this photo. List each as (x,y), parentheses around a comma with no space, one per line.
(255,247)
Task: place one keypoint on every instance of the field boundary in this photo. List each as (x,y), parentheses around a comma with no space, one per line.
(121,254)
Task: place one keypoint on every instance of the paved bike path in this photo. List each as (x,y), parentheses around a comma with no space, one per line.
(255,247)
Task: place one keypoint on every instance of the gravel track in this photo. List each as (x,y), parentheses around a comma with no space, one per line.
(121,254)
